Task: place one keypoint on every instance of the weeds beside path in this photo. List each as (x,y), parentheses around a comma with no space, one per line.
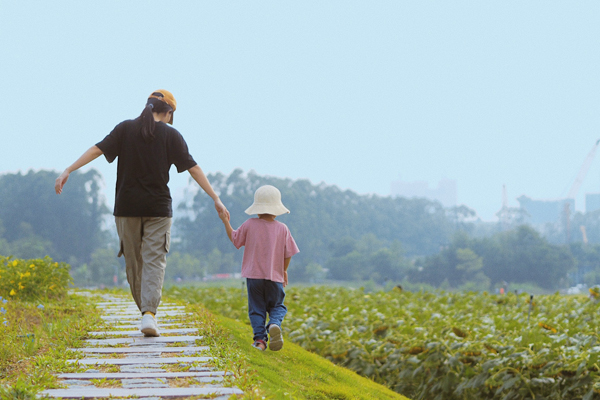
(34,341)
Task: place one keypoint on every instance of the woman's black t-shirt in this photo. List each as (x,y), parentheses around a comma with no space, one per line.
(143,167)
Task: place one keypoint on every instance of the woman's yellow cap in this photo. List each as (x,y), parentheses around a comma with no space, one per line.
(167,97)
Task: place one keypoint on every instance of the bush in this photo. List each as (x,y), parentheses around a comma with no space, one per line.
(33,279)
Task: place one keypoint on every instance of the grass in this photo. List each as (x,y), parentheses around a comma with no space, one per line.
(292,373)
(35,339)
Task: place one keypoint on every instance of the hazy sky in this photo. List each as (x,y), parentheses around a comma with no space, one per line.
(351,93)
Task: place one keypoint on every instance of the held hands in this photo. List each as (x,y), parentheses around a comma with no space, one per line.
(224,216)
(221,209)
(60,182)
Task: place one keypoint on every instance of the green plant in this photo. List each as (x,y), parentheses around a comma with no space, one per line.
(19,391)
(34,279)
(441,345)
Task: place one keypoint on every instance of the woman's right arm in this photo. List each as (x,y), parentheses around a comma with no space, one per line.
(198,175)
(90,155)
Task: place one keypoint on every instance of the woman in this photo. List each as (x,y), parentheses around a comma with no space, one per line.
(146,148)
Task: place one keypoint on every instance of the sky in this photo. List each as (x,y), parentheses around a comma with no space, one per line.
(351,93)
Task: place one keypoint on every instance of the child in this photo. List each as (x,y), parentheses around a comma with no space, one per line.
(269,246)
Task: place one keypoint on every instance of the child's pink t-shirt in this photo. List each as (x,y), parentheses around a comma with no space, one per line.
(267,244)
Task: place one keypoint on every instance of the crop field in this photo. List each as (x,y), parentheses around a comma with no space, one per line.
(443,345)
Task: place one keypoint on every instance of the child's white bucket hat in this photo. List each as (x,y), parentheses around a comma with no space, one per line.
(267,200)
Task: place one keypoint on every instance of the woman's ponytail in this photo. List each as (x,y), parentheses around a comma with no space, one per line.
(148,122)
(153,105)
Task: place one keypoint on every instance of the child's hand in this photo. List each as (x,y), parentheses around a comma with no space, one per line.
(285,279)
(224,215)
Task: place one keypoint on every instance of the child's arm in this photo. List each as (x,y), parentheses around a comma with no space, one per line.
(225,218)
(286,264)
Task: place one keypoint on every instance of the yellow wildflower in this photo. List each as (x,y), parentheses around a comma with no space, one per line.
(21,286)
(15,263)
(547,327)
(12,292)
(27,273)
(32,266)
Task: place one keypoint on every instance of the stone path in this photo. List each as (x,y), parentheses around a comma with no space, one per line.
(149,368)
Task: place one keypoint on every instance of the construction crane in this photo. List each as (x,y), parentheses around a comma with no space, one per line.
(583,172)
(574,190)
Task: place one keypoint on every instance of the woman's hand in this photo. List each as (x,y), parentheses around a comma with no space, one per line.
(60,182)
(221,209)
(91,154)
(285,279)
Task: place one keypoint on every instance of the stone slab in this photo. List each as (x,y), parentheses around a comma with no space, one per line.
(128,361)
(120,392)
(77,383)
(148,355)
(136,320)
(137,317)
(141,368)
(130,303)
(107,311)
(120,350)
(137,326)
(126,375)
(116,316)
(136,309)
(209,379)
(138,333)
(143,383)
(141,341)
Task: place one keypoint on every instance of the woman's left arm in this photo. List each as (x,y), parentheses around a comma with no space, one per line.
(90,155)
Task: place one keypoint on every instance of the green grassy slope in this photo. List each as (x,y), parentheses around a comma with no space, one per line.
(294,373)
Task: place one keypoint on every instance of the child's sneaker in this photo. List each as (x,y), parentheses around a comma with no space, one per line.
(275,338)
(260,345)
(149,326)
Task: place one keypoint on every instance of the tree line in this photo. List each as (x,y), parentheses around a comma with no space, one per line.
(342,235)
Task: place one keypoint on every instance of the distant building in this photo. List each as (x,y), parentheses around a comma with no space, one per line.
(545,211)
(592,202)
(445,193)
